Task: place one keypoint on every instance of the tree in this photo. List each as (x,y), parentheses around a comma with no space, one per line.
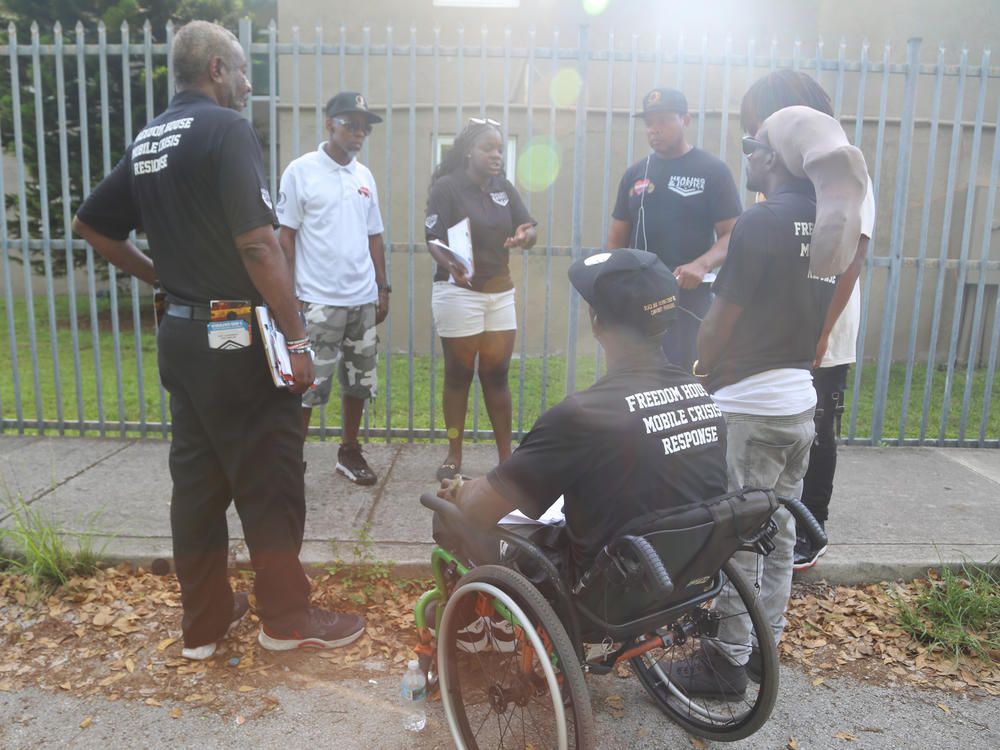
(112,13)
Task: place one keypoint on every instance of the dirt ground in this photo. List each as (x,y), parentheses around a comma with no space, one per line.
(117,634)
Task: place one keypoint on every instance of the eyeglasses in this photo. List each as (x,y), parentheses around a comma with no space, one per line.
(752,144)
(354,125)
(484,121)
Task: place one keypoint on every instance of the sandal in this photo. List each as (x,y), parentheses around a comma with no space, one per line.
(447,470)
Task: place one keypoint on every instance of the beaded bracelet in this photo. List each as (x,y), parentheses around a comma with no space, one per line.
(307,349)
(298,342)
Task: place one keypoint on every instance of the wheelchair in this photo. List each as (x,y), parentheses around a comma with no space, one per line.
(651,600)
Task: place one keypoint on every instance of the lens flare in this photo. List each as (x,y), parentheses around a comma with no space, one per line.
(538,166)
(565,87)
(595,7)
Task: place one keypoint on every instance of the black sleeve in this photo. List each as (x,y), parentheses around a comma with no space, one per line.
(725,196)
(518,211)
(110,208)
(246,201)
(621,211)
(544,464)
(440,213)
(747,260)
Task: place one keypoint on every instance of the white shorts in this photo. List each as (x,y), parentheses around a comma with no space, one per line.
(460,312)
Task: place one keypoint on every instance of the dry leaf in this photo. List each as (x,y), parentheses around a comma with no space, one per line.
(643,731)
(845,736)
(152,702)
(817,681)
(696,742)
(944,708)
(176,713)
(792,743)
(165,643)
(86,722)
(66,686)
(246,688)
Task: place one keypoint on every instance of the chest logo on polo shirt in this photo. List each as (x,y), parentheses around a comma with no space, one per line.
(365,192)
(686,186)
(642,186)
(266,197)
(500,198)
(430,221)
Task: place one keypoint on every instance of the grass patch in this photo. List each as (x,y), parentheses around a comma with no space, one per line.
(37,548)
(116,396)
(957,613)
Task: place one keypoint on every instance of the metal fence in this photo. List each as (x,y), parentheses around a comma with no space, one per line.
(930,310)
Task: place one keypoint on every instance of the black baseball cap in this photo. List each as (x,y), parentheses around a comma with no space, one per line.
(349,102)
(629,288)
(663,100)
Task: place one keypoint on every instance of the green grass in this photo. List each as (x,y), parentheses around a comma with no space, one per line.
(425,399)
(37,547)
(958,613)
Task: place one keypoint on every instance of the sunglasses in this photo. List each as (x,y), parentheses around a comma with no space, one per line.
(752,144)
(483,121)
(354,125)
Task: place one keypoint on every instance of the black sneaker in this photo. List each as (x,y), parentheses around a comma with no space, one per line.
(320,629)
(707,674)
(351,463)
(805,555)
(241,605)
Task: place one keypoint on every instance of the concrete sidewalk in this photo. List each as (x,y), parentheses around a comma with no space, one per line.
(895,511)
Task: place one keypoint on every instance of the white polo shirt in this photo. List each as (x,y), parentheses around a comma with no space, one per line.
(333,209)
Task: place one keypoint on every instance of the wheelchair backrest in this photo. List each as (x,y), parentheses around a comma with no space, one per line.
(693,541)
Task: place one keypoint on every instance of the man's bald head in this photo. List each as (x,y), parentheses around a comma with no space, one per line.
(195,44)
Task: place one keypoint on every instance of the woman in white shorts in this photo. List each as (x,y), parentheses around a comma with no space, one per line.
(474,314)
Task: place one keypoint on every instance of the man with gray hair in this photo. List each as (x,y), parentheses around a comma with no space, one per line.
(193,180)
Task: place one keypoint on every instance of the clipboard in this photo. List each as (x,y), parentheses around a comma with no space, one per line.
(275,348)
(459,247)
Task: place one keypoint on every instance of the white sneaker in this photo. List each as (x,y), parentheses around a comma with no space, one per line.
(241,605)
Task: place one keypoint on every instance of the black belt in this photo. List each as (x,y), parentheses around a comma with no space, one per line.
(188,312)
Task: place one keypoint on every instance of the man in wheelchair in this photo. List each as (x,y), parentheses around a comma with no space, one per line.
(645,438)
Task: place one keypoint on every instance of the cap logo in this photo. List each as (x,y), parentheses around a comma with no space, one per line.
(593,260)
(360,101)
(655,308)
(653,97)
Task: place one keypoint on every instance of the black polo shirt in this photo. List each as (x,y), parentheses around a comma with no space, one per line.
(681,199)
(192,180)
(767,274)
(643,438)
(494,213)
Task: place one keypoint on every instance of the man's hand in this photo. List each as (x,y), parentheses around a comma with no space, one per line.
(690,275)
(821,346)
(449,489)
(303,372)
(382,307)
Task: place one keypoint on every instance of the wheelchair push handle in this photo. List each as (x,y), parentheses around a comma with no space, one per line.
(805,521)
(446,508)
(656,574)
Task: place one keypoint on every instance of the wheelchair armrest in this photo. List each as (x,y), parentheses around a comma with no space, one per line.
(446,508)
(805,521)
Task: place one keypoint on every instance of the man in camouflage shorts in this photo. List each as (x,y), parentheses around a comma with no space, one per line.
(331,232)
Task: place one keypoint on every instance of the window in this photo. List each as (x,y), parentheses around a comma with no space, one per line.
(444,142)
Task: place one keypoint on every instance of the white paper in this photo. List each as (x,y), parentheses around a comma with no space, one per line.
(275,348)
(460,246)
(553,515)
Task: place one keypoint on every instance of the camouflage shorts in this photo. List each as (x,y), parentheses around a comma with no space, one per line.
(344,339)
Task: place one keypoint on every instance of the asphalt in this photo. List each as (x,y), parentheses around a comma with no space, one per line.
(895,511)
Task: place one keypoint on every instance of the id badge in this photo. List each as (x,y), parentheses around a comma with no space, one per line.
(229,326)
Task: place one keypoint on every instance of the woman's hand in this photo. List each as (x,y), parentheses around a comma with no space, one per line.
(458,273)
(524,236)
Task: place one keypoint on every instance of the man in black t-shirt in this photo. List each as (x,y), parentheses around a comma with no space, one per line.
(193,180)
(644,437)
(681,203)
(755,352)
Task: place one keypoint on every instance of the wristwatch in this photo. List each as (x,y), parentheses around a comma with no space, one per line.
(387,287)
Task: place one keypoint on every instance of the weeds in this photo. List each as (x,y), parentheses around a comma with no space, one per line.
(365,571)
(958,613)
(39,548)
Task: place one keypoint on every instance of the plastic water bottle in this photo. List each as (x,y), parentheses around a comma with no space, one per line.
(414,693)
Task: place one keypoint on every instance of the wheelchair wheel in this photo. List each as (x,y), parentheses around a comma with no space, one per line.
(730,715)
(525,691)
